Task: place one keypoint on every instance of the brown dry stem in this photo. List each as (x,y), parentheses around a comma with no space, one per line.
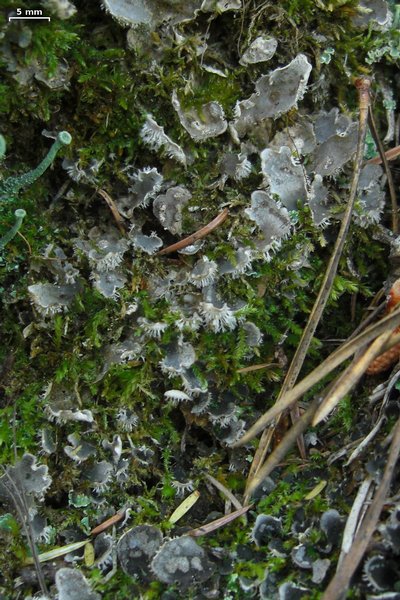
(389,322)
(340,582)
(197,235)
(114,211)
(384,160)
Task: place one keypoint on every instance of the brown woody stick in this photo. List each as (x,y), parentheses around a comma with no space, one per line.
(198,235)
(384,160)
(390,155)
(108,522)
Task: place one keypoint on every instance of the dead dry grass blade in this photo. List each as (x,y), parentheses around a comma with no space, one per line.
(340,582)
(259,457)
(363,85)
(210,527)
(350,377)
(280,452)
(389,322)
(225,491)
(364,494)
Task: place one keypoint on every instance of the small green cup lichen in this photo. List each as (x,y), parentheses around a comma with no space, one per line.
(10,187)
(20,214)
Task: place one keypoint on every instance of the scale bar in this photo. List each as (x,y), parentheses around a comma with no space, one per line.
(26,18)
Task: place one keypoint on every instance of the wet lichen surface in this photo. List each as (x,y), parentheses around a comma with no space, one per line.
(130,366)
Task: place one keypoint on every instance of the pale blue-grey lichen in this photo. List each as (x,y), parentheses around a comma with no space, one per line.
(145,185)
(276,93)
(62,405)
(330,155)
(71,584)
(50,299)
(261,49)
(99,475)
(371,196)
(155,137)
(26,477)
(168,207)
(147,243)
(207,123)
(179,357)
(284,175)
(109,282)
(62,9)
(105,249)
(272,219)
(375,14)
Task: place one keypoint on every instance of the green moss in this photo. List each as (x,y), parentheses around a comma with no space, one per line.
(110,90)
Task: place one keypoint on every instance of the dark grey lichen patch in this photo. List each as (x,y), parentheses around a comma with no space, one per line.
(265,529)
(182,561)
(137,547)
(26,477)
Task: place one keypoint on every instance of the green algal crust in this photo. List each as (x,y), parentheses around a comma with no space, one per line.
(12,185)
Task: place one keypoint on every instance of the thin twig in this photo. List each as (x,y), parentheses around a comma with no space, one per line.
(340,582)
(114,210)
(197,235)
(381,150)
(21,505)
(391,154)
(327,366)
(118,516)
(257,367)
(17,496)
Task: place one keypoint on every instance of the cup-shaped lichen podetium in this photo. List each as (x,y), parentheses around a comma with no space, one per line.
(10,187)
(20,214)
